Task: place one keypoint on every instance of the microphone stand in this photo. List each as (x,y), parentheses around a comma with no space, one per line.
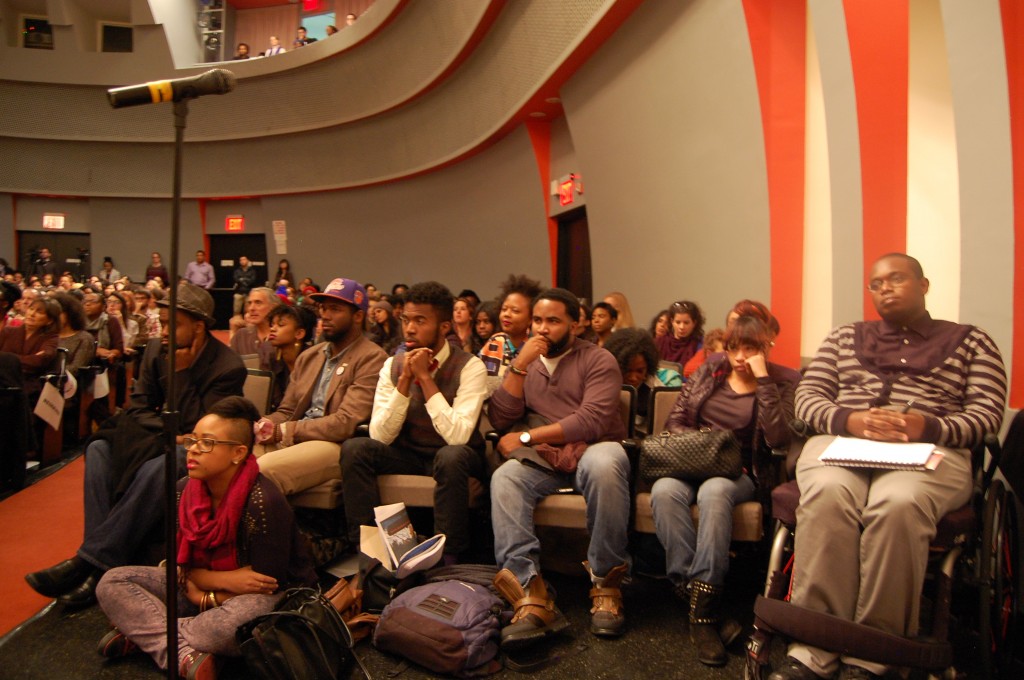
(171,415)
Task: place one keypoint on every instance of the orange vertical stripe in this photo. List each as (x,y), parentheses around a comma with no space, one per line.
(879,34)
(778,40)
(540,140)
(1013,39)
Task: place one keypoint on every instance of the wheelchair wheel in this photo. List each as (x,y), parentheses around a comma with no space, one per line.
(997,570)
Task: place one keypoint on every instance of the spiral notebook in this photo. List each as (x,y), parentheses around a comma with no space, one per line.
(853,452)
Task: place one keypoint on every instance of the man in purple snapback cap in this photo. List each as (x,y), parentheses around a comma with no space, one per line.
(330,392)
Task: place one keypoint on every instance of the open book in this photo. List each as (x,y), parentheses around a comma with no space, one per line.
(853,452)
(405,553)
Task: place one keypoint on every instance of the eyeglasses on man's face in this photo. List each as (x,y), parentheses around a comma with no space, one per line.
(894,280)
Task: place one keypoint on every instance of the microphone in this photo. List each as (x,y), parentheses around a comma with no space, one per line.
(215,81)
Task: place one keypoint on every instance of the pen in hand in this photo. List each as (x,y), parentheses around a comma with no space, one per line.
(906,408)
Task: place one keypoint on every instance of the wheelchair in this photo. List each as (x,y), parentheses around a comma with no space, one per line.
(975,553)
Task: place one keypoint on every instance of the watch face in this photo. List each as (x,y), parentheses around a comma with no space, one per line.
(525,437)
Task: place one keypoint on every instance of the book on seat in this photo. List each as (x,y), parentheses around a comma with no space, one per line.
(854,452)
(406,554)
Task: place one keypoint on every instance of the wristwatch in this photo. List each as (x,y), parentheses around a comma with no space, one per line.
(525,438)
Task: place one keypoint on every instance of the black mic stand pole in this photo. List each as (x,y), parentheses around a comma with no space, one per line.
(171,414)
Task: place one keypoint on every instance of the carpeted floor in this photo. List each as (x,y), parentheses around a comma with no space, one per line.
(39,526)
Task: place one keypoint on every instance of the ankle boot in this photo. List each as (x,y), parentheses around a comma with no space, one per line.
(704,603)
(536,615)
(607,616)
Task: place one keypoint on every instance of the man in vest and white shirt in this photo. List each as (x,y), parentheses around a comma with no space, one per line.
(425,421)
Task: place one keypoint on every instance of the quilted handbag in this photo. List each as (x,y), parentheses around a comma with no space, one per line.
(695,455)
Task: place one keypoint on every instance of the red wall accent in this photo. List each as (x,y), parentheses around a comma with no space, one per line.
(1013,39)
(540,140)
(879,34)
(778,40)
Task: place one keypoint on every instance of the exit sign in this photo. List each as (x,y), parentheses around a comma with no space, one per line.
(565,190)
(234,223)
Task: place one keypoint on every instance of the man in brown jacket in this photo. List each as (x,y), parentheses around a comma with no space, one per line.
(329,394)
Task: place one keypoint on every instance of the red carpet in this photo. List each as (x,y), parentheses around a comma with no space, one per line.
(39,526)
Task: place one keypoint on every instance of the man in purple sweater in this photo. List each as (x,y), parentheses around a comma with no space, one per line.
(562,395)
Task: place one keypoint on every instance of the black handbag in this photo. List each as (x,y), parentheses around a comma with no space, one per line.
(304,638)
(695,455)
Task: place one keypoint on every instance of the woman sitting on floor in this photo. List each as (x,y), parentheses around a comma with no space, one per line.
(739,391)
(238,550)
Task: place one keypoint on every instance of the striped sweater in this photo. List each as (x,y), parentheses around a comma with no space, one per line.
(962,395)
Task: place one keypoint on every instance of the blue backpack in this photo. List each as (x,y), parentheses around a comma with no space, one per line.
(449,627)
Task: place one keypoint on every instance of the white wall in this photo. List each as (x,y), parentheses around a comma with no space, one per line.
(667,130)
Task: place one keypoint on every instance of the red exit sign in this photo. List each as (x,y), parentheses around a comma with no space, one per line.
(234,223)
(565,190)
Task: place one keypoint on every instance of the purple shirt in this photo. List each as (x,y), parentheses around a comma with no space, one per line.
(582,396)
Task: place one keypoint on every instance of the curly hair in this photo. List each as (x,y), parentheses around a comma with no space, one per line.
(304,318)
(519,283)
(434,294)
(693,310)
(242,413)
(626,343)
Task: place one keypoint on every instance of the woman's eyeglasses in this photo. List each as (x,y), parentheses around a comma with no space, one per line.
(206,444)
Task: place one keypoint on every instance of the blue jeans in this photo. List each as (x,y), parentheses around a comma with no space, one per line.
(114,532)
(701,553)
(602,477)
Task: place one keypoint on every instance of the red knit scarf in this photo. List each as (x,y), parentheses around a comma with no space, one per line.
(207,540)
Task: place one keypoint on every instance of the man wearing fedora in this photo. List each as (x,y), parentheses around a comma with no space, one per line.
(124,470)
(329,393)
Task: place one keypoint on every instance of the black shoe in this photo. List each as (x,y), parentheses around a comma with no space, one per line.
(850,671)
(60,578)
(83,595)
(793,670)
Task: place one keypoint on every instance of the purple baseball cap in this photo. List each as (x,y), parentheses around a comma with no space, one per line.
(345,290)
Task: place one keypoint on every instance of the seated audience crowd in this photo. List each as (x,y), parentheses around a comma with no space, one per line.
(428,372)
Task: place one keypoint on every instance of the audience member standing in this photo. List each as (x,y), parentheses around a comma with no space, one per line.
(157,270)
(245,280)
(302,38)
(44,265)
(200,272)
(275,47)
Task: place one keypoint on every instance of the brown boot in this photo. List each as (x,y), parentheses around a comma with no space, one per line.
(704,603)
(607,616)
(536,615)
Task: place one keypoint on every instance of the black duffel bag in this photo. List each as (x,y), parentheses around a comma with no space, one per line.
(304,638)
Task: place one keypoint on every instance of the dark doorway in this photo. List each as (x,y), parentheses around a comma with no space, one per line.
(70,251)
(225,249)
(574,254)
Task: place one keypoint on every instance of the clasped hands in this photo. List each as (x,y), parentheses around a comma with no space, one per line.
(884,425)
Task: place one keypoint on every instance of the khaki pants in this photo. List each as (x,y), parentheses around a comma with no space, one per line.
(862,542)
(299,467)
